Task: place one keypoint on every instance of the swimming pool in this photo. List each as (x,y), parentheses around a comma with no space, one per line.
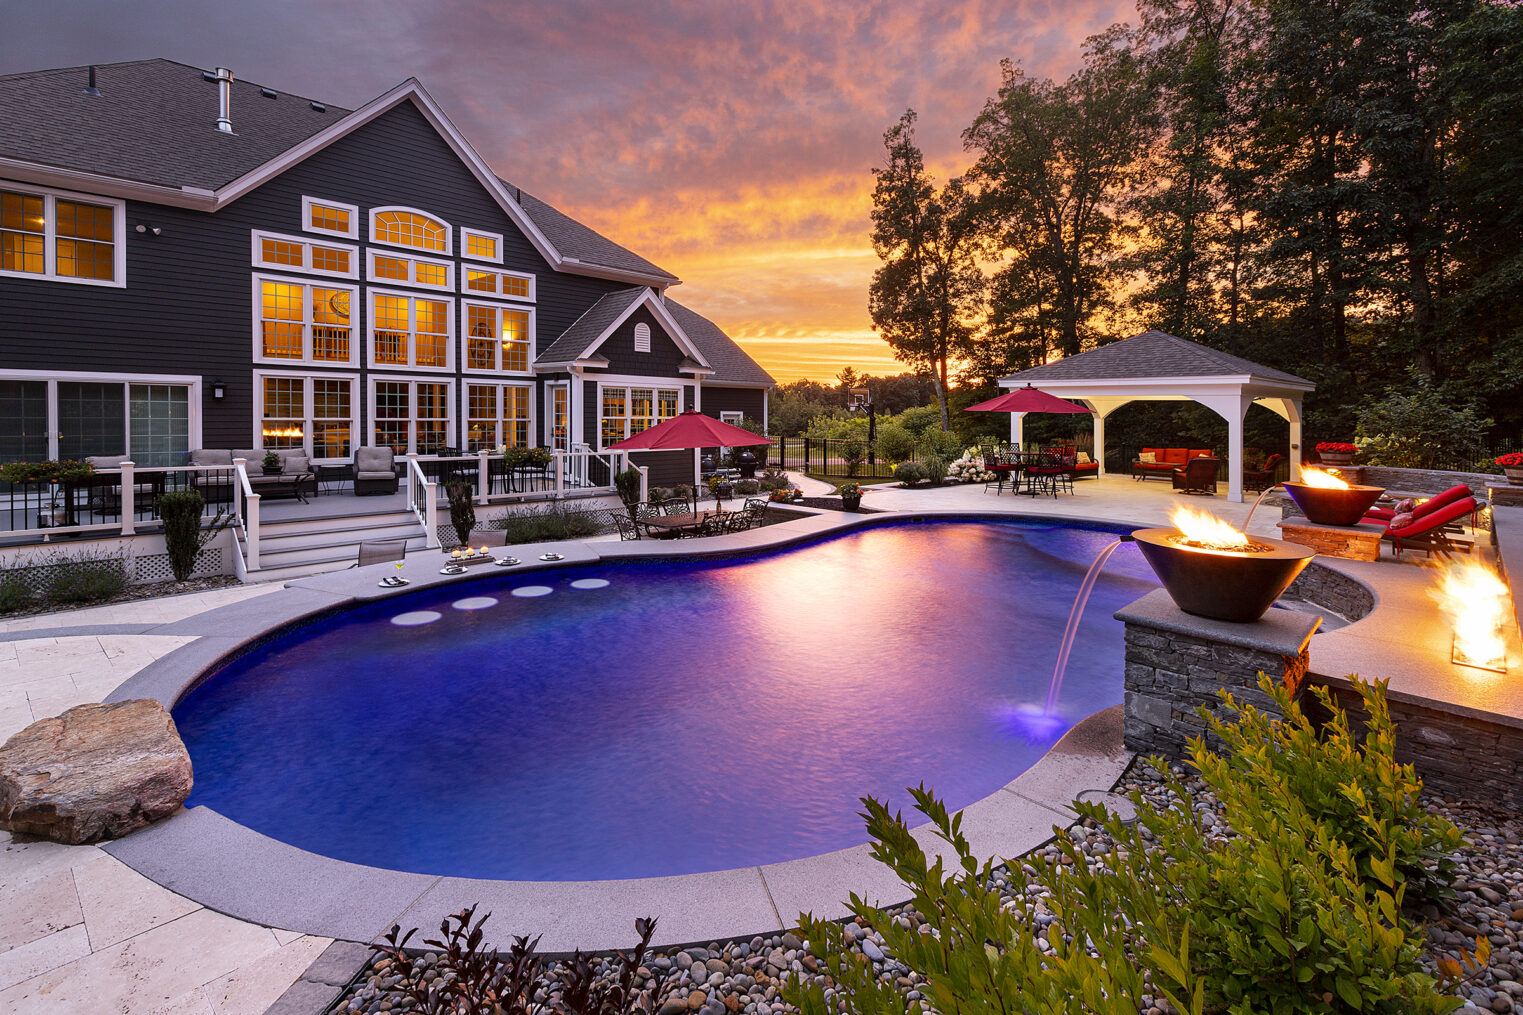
(641,719)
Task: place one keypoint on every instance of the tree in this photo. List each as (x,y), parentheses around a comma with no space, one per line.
(927,293)
(1055,162)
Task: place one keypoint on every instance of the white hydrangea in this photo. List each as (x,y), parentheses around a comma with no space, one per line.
(970,468)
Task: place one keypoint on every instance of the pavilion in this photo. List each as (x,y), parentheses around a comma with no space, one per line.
(1158,367)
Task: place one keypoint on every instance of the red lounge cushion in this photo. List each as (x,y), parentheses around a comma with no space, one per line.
(1440,500)
(1203,453)
(1401,521)
(1433,520)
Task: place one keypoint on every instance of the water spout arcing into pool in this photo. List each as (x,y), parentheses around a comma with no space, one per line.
(1267,491)
(1085,587)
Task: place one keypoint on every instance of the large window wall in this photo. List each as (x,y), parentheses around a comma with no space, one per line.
(153,419)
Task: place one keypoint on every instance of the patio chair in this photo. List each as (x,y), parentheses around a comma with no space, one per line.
(674,507)
(1438,500)
(628,530)
(1263,477)
(1198,476)
(1002,471)
(374,471)
(1427,535)
(737,521)
(490,537)
(1049,474)
(644,511)
(379,551)
(756,510)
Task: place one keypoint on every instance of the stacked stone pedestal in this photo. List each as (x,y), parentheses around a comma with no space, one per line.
(1176,663)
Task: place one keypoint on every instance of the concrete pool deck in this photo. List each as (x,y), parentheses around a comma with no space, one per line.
(169,962)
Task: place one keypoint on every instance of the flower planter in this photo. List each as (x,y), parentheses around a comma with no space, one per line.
(1333,458)
(851,503)
(1514,476)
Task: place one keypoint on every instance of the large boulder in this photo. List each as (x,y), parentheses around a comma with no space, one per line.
(93,773)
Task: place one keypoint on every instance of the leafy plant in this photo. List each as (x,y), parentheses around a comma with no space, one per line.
(549,524)
(462,510)
(747,487)
(659,494)
(936,469)
(475,979)
(536,458)
(61,471)
(15,591)
(911,473)
(270,463)
(84,578)
(1281,917)
(777,477)
(627,482)
(1417,430)
(853,452)
(895,443)
(184,536)
(850,489)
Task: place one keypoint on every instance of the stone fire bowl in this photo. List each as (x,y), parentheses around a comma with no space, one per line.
(1334,507)
(1223,585)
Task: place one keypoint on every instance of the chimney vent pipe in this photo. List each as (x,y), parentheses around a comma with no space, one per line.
(90,89)
(224,100)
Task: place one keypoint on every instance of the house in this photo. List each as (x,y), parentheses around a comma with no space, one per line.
(189,260)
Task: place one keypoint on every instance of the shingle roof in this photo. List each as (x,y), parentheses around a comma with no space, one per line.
(154,122)
(573,239)
(586,329)
(730,361)
(1150,354)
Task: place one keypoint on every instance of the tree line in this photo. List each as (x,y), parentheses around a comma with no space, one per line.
(1333,188)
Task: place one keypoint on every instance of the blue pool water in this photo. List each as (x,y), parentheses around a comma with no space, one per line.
(645,719)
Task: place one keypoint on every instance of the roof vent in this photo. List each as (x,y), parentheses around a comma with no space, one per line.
(207,75)
(90,89)
(319,107)
(224,80)
(268,93)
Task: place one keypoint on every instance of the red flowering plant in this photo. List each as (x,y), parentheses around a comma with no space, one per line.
(1336,448)
(1511,461)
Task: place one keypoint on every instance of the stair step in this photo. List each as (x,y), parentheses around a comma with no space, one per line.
(320,554)
(274,542)
(341,523)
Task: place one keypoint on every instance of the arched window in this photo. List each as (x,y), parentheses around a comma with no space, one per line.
(406,228)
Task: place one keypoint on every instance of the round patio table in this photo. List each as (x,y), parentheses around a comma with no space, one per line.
(678,525)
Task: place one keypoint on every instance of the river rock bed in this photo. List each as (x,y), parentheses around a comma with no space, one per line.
(745,977)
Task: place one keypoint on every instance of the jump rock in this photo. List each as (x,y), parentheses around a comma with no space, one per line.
(96,772)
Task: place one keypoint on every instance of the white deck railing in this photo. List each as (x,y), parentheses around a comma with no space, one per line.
(422,494)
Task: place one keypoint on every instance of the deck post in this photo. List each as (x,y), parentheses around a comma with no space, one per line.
(129,505)
(483,475)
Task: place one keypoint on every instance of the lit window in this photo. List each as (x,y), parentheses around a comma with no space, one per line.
(409,229)
(642,337)
(411,416)
(482,246)
(314,413)
(496,416)
(332,418)
(497,338)
(511,285)
(411,271)
(285,410)
(294,253)
(628,411)
(409,331)
(58,237)
(330,218)
(302,322)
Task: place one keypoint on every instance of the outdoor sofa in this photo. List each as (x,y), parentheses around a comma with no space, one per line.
(1165,461)
(295,479)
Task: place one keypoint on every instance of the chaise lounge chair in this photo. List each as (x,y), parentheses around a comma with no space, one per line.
(1439,500)
(1427,533)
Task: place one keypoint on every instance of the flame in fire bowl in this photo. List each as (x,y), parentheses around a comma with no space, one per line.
(1334,505)
(1223,584)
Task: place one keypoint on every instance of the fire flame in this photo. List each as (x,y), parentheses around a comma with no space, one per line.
(1475,601)
(1203,530)
(290,431)
(1325,480)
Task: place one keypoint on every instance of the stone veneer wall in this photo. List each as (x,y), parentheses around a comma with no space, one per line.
(1332,590)
(1457,755)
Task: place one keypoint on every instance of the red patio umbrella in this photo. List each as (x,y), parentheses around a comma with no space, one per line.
(1027,399)
(691,429)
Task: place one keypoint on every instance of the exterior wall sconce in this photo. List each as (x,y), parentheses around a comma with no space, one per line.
(219,391)
(144,227)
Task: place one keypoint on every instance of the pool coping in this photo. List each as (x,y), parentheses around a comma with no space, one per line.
(232,869)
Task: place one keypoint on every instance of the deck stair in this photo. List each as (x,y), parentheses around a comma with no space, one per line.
(301,546)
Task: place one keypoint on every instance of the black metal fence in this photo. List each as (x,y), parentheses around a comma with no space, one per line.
(96,500)
(836,457)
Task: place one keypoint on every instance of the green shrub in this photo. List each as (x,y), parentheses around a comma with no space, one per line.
(777,477)
(550,523)
(84,578)
(1417,431)
(895,443)
(853,451)
(747,487)
(942,443)
(462,509)
(936,468)
(658,494)
(15,592)
(911,473)
(1281,917)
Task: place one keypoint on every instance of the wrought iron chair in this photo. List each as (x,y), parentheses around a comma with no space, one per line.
(674,507)
(627,528)
(379,551)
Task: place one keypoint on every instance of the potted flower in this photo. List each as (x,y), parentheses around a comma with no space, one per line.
(1512,464)
(851,495)
(1336,452)
(720,487)
(271,463)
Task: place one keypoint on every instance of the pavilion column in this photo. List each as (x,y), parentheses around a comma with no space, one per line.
(1098,422)
(1018,430)
(1293,407)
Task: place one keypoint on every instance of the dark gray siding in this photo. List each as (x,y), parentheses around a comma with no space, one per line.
(187,306)
(667,468)
(747,401)
(619,348)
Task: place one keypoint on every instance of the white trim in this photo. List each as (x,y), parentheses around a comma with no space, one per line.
(412,271)
(449,231)
(52,378)
(624,383)
(497,383)
(307,202)
(371,292)
(497,308)
(50,235)
(256,434)
(412,381)
(668,323)
(306,284)
(724,417)
(465,245)
(549,421)
(1210,382)
(307,243)
(466,290)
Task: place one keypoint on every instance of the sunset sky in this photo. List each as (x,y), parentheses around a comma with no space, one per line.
(730,143)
